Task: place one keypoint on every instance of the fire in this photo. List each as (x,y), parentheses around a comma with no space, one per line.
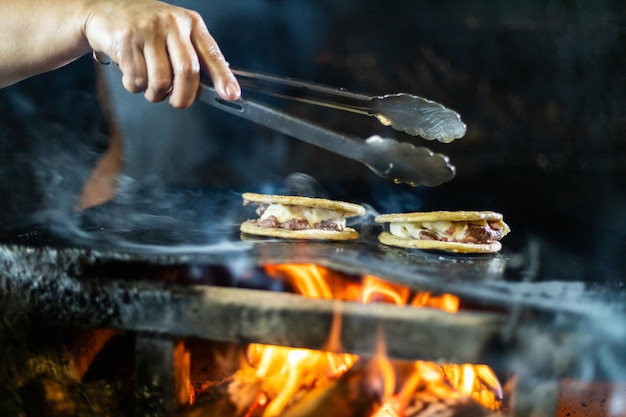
(445,302)
(377,290)
(315,281)
(477,381)
(285,374)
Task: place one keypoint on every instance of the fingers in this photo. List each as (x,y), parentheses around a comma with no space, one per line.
(213,61)
(189,48)
(159,70)
(158,63)
(161,50)
(133,66)
(185,68)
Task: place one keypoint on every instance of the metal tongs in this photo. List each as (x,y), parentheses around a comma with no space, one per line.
(400,162)
(411,114)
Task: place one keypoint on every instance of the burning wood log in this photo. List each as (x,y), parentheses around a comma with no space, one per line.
(348,396)
(233,397)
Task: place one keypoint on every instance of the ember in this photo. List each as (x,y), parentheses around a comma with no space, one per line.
(280,377)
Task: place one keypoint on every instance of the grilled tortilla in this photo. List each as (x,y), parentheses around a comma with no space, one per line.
(294,217)
(451,231)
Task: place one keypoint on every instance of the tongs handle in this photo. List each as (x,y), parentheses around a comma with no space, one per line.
(283,122)
(304,91)
(411,114)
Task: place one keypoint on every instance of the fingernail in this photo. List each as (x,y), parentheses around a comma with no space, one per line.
(233,91)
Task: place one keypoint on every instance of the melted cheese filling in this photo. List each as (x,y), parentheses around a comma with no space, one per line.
(312,214)
(452,231)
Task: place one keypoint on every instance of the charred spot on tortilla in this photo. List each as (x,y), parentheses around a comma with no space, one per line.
(295,217)
(450,231)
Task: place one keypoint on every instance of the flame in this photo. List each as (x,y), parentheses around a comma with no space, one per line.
(377,290)
(285,372)
(314,281)
(445,302)
(445,381)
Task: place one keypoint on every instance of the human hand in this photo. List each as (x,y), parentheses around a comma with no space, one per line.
(160,49)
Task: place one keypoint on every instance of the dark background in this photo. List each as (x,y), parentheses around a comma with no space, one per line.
(540,84)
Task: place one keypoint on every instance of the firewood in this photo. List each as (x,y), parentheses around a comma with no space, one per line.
(244,391)
(212,402)
(348,396)
(231,397)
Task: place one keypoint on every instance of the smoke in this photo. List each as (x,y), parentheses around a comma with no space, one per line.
(51,132)
(157,215)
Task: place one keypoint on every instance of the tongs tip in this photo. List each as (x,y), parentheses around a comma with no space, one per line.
(403,162)
(418,116)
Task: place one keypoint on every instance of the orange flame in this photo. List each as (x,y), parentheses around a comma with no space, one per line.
(377,290)
(315,281)
(285,372)
(445,302)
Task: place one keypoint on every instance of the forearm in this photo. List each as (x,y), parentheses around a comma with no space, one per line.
(39,36)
